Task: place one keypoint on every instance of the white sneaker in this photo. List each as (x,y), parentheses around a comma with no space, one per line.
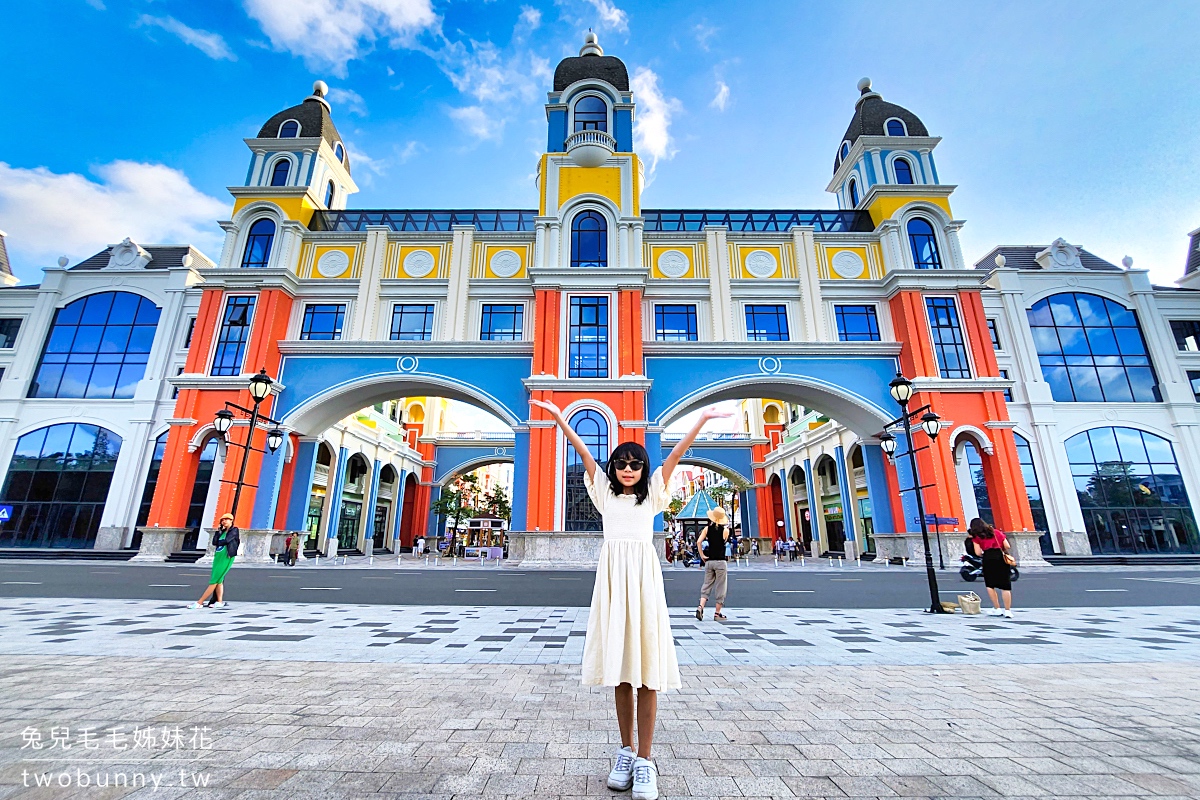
(1008,613)
(220,604)
(645,780)
(621,776)
(193,606)
(995,612)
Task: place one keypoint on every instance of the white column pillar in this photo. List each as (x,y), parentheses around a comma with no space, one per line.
(366,304)
(892,245)
(454,321)
(816,326)
(719,287)
(956,256)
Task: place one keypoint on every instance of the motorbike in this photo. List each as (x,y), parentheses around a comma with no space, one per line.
(972,568)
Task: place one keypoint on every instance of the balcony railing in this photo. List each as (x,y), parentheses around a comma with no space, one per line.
(600,138)
(491,436)
(403,220)
(731,436)
(694,220)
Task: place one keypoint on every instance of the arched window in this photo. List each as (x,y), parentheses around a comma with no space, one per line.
(1033,491)
(591,114)
(57,485)
(279,175)
(895,127)
(200,490)
(329,195)
(1091,349)
(98,347)
(258,244)
(339,152)
(903,170)
(1131,493)
(983,501)
(845,151)
(289,129)
(924,244)
(854,193)
(579,514)
(589,240)
(160,450)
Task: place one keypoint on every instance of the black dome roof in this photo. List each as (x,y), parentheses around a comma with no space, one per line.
(591,63)
(870,113)
(314,118)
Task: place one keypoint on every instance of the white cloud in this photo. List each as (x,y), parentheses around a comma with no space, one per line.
(703,32)
(361,162)
(530,18)
(350,99)
(722,97)
(611,17)
(652,127)
(477,122)
(329,33)
(47,214)
(409,150)
(96,4)
(211,44)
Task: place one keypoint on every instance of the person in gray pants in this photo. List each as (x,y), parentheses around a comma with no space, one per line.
(711,544)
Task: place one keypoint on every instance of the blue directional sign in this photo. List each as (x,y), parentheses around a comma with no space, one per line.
(931,519)
(5,513)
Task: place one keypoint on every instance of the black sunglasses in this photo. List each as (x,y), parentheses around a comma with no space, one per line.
(634,465)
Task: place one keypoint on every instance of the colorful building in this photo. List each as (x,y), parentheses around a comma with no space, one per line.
(628,318)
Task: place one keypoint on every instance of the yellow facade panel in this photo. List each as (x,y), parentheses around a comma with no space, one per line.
(757,261)
(672,261)
(603,181)
(886,206)
(312,266)
(497,261)
(294,208)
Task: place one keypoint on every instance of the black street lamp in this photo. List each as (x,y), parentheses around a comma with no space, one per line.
(902,391)
(260,387)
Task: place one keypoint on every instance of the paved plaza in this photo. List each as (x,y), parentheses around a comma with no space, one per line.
(273,700)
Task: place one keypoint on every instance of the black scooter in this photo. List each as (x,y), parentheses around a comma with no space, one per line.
(972,568)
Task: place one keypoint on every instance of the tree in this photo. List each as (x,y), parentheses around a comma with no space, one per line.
(447,505)
(497,503)
(673,509)
(721,495)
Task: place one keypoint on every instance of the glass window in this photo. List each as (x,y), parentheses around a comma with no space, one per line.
(1194,379)
(339,152)
(591,114)
(587,354)
(289,129)
(1091,349)
(160,449)
(845,149)
(279,175)
(9,328)
(502,323)
(579,513)
(1008,398)
(978,482)
(200,489)
(856,323)
(329,195)
(57,484)
(234,334)
(903,170)
(766,323)
(924,244)
(853,193)
(323,322)
(675,323)
(895,128)
(98,347)
(191,331)
(994,334)
(258,244)
(1033,492)
(1187,334)
(412,323)
(948,341)
(589,240)
(1131,492)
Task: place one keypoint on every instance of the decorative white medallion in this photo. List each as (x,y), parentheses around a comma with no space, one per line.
(128,255)
(406,364)
(673,263)
(505,263)
(418,263)
(769,365)
(761,264)
(848,264)
(332,264)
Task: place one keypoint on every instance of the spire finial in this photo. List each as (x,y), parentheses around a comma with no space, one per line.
(864,85)
(591,45)
(320,88)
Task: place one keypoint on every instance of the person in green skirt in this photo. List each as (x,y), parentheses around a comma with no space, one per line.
(226,539)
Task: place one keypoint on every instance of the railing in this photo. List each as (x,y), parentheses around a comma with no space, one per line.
(665,221)
(600,138)
(492,220)
(711,437)
(491,436)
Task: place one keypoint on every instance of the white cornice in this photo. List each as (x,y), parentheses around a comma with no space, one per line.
(866,143)
(763,349)
(387,347)
(961,385)
(633,383)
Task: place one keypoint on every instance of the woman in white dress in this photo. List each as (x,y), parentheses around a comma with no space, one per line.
(628,642)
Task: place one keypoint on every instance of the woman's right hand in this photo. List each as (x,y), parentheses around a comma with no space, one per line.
(546,406)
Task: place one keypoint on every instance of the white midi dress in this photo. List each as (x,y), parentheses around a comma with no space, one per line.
(629,632)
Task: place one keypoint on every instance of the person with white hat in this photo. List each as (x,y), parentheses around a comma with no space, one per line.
(226,539)
(711,544)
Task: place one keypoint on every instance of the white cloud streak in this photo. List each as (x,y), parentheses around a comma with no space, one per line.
(349,99)
(328,34)
(475,121)
(652,126)
(611,17)
(47,214)
(722,97)
(531,18)
(211,44)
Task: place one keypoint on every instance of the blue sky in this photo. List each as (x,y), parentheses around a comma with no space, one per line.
(125,117)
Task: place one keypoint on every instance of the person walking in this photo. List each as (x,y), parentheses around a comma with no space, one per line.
(225,541)
(628,643)
(714,551)
(992,546)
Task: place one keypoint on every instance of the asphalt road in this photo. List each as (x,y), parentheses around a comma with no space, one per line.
(848,588)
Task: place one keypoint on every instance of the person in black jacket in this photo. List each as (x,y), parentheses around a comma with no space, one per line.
(711,545)
(226,539)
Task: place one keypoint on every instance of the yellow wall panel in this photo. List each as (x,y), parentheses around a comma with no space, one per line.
(574,181)
(739,253)
(886,206)
(296,208)
(487,251)
(688,250)
(312,254)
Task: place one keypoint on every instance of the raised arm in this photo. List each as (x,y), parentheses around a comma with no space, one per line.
(672,459)
(585,454)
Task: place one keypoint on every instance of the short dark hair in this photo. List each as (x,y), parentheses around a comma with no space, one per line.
(629,451)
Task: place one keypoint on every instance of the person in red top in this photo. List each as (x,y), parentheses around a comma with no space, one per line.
(992,546)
